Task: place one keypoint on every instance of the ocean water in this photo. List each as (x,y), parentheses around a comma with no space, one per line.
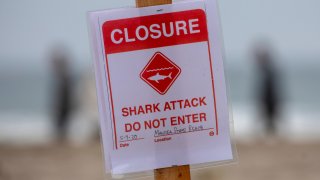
(25,96)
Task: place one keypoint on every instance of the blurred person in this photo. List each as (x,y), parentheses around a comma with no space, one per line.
(268,80)
(61,90)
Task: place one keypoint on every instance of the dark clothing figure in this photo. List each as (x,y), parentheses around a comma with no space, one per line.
(63,105)
(62,93)
(268,96)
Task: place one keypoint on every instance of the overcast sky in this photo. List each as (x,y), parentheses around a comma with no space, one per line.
(29,28)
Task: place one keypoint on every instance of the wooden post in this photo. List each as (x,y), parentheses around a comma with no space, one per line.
(171,173)
(144,3)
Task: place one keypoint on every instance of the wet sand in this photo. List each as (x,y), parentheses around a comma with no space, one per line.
(278,160)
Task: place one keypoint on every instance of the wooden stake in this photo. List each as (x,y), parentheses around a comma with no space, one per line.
(172,173)
(144,3)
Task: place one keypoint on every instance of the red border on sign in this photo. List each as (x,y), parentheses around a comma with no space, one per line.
(213,89)
(162,93)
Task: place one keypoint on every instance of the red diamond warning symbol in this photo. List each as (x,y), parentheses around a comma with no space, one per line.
(160,73)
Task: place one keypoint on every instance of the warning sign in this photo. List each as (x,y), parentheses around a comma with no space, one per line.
(185,70)
(162,100)
(160,73)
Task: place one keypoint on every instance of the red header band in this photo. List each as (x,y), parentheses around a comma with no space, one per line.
(155,31)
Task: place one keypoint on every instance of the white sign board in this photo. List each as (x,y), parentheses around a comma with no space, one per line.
(161,86)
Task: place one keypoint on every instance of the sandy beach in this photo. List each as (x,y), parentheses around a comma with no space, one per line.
(276,160)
